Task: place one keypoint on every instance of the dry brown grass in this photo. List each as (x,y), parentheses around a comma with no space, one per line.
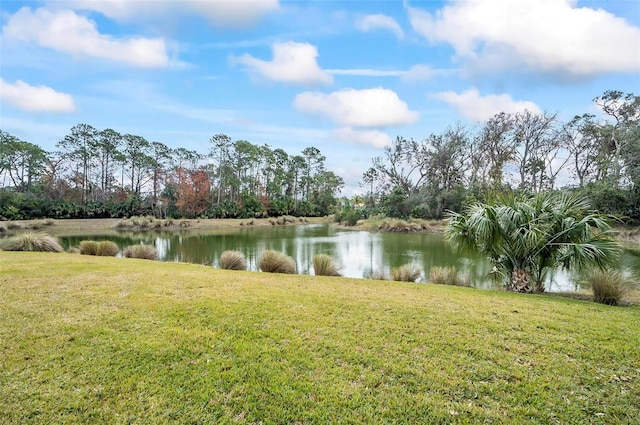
(233,260)
(276,262)
(107,249)
(145,252)
(31,241)
(89,247)
(406,273)
(325,265)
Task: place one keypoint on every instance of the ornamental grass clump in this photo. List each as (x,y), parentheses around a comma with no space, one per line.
(448,276)
(324,265)
(377,275)
(233,260)
(406,273)
(89,247)
(31,241)
(276,262)
(609,286)
(107,249)
(145,252)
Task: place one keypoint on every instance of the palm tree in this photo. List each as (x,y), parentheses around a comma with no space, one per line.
(525,236)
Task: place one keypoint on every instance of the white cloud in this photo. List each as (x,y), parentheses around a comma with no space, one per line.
(421,73)
(35,98)
(548,36)
(375,107)
(365,72)
(292,63)
(380,21)
(475,107)
(220,13)
(375,138)
(68,32)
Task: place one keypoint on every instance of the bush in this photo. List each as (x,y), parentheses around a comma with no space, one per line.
(609,286)
(145,252)
(88,247)
(233,260)
(107,249)
(406,273)
(275,262)
(352,217)
(31,241)
(447,276)
(323,265)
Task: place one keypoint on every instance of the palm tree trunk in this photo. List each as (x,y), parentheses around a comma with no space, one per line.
(520,281)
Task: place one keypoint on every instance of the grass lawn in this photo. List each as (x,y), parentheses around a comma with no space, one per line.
(107,340)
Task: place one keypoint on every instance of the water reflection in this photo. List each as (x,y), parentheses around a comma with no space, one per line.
(360,253)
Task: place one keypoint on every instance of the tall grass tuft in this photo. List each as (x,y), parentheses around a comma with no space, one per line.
(31,241)
(146,252)
(3,227)
(107,249)
(88,247)
(233,260)
(276,262)
(324,265)
(609,286)
(406,273)
(377,275)
(448,276)
(12,225)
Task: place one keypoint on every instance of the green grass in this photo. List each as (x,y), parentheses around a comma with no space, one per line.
(109,340)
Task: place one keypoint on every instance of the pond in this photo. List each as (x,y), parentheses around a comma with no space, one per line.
(360,253)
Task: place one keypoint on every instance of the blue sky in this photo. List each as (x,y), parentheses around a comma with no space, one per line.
(344,76)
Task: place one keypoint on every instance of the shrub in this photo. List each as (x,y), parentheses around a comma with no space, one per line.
(107,249)
(406,273)
(275,262)
(323,265)
(31,241)
(88,247)
(609,286)
(146,252)
(233,260)
(352,217)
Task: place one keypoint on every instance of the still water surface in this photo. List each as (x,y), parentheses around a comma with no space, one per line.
(359,252)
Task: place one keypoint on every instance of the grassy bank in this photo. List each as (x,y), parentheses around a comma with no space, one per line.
(109,225)
(95,339)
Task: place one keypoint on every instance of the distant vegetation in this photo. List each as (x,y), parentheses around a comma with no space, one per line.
(102,173)
(594,156)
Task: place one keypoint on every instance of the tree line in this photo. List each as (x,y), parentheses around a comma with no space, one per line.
(103,173)
(595,156)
